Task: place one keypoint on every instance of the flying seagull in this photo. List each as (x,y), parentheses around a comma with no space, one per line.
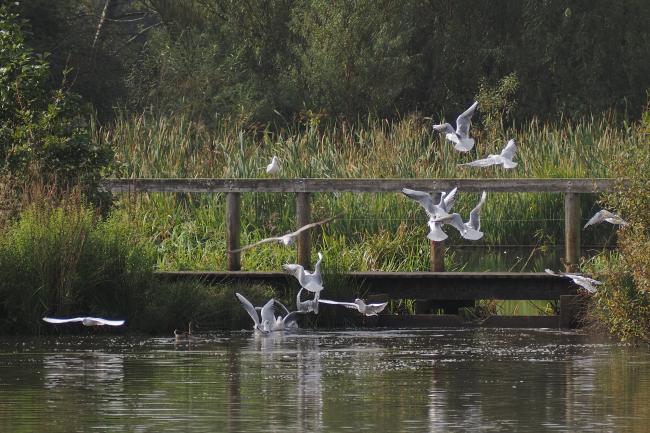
(471,229)
(460,137)
(86,321)
(584,282)
(311,281)
(308,306)
(273,167)
(267,321)
(287,239)
(359,305)
(504,158)
(434,211)
(605,215)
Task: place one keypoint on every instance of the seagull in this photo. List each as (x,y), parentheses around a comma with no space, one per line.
(434,211)
(308,306)
(310,281)
(86,321)
(360,306)
(471,229)
(273,167)
(584,282)
(267,321)
(504,158)
(605,215)
(460,137)
(287,239)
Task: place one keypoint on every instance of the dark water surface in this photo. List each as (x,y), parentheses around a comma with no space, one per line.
(375,381)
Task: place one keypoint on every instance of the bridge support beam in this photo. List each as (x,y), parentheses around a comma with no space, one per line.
(303,217)
(233,207)
(571,231)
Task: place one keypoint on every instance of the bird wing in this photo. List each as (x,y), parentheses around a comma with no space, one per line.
(474,215)
(345,304)
(263,241)
(598,218)
(267,312)
(249,309)
(444,127)
(107,322)
(282,305)
(454,220)
(508,152)
(294,269)
(485,162)
(465,120)
(424,198)
(448,201)
(289,321)
(377,308)
(550,272)
(308,226)
(54,320)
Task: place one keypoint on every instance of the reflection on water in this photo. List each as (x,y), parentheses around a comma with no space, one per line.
(380,381)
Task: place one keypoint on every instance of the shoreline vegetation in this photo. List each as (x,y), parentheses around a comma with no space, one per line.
(229,91)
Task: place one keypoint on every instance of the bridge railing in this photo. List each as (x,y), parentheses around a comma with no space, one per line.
(303,188)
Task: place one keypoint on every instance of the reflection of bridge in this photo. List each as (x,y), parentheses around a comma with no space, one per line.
(435,285)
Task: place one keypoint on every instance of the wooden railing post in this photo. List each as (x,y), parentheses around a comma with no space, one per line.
(303,217)
(571,231)
(233,205)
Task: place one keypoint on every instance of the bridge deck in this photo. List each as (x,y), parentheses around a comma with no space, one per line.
(416,285)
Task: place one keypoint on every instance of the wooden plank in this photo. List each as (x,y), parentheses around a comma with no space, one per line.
(417,285)
(233,207)
(572,228)
(303,217)
(356,185)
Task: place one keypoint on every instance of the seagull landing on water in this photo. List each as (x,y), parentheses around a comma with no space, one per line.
(584,282)
(274,166)
(460,137)
(267,321)
(504,158)
(287,239)
(86,321)
(308,306)
(471,229)
(359,305)
(434,211)
(605,215)
(311,281)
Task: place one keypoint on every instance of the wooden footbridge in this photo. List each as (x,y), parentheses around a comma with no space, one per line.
(434,288)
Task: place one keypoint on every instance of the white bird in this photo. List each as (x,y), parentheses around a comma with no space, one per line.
(267,321)
(308,306)
(287,239)
(86,321)
(434,211)
(360,306)
(504,158)
(274,166)
(471,229)
(460,137)
(605,215)
(582,281)
(311,281)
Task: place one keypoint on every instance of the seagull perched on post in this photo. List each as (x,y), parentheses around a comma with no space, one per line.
(360,306)
(434,211)
(471,229)
(86,321)
(605,215)
(311,281)
(460,137)
(273,167)
(504,158)
(286,239)
(582,281)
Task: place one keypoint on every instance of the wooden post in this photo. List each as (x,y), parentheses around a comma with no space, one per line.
(437,256)
(303,217)
(233,205)
(571,231)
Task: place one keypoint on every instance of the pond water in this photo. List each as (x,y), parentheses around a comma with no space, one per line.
(440,380)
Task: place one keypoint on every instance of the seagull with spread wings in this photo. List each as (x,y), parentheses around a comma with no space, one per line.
(471,229)
(605,216)
(310,281)
(287,239)
(433,210)
(504,158)
(460,137)
(308,306)
(266,321)
(360,306)
(86,321)
(582,281)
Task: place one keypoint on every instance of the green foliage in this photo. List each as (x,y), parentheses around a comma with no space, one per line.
(39,128)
